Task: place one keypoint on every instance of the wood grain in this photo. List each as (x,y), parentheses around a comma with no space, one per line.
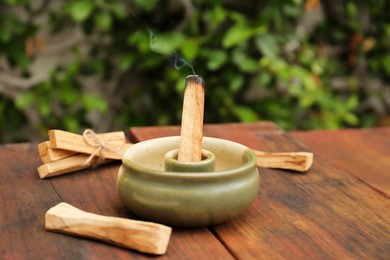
(364,153)
(24,201)
(323,214)
(326,213)
(25,198)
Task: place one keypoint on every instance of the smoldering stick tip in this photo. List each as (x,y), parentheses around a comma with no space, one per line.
(194,79)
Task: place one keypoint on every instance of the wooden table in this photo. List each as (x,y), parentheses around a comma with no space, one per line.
(339,209)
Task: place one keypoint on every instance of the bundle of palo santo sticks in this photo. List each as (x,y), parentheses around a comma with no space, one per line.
(68,152)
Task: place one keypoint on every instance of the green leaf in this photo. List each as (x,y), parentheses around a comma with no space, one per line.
(352,102)
(263,78)
(216,59)
(236,81)
(22,59)
(351,119)
(291,10)
(297,2)
(219,14)
(238,33)
(166,43)
(190,49)
(215,16)
(126,61)
(235,35)
(80,10)
(267,45)
(68,95)
(244,62)
(146,4)
(5,35)
(316,68)
(25,99)
(44,109)
(386,64)
(351,9)
(71,123)
(94,101)
(245,114)
(306,100)
(14,2)
(141,40)
(103,20)
(119,10)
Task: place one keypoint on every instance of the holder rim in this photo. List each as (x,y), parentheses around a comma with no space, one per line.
(249,162)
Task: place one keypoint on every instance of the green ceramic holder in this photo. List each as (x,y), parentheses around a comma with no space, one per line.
(180,198)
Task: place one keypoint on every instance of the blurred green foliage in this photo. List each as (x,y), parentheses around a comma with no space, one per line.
(301,64)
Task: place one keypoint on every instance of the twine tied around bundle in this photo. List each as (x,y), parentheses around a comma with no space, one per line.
(92,139)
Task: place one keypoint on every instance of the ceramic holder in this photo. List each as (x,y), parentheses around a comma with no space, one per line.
(183,198)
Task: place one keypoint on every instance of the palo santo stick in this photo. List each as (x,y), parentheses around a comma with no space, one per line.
(69,164)
(69,141)
(297,161)
(48,154)
(142,236)
(190,148)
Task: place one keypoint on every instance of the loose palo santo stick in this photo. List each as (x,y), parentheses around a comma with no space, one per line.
(142,236)
(191,135)
(297,161)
